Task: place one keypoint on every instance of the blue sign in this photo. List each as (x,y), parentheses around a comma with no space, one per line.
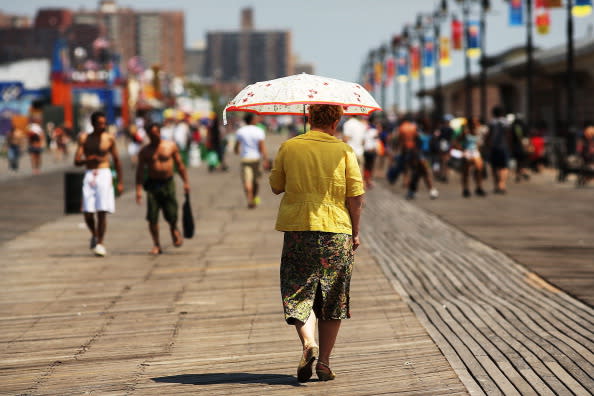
(11,90)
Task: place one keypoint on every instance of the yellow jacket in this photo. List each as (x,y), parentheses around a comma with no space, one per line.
(317,172)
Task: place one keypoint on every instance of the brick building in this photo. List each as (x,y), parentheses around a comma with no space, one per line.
(156,36)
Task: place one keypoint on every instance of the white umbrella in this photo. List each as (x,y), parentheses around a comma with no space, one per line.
(291,95)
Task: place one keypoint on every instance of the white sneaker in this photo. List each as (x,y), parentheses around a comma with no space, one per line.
(433,193)
(100,250)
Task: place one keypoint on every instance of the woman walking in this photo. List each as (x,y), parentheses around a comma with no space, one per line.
(319,213)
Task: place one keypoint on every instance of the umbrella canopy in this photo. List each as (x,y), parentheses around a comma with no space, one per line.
(291,95)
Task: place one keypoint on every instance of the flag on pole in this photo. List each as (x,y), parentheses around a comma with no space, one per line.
(473,44)
(428,56)
(516,13)
(415,61)
(444,51)
(582,8)
(542,18)
(379,72)
(402,66)
(390,66)
(457,34)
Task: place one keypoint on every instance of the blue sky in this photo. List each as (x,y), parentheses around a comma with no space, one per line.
(334,35)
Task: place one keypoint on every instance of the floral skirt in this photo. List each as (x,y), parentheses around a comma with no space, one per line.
(315,273)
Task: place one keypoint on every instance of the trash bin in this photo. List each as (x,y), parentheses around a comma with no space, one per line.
(73,182)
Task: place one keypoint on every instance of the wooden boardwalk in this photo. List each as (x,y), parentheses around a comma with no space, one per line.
(544,225)
(503,328)
(435,311)
(202,319)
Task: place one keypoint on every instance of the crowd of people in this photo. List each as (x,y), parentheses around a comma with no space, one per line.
(415,149)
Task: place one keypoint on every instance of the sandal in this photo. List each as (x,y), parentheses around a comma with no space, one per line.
(305,369)
(326,373)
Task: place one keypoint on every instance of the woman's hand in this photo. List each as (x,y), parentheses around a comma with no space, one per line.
(356,242)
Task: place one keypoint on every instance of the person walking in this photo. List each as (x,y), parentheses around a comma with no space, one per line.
(14,142)
(585,149)
(217,142)
(36,144)
(182,134)
(159,158)
(498,142)
(93,152)
(370,145)
(319,214)
(353,133)
(467,142)
(251,148)
(411,159)
(520,146)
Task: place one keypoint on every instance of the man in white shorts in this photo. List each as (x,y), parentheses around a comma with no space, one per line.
(98,194)
(252,150)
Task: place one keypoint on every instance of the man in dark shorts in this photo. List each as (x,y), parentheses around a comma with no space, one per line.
(159,158)
(498,143)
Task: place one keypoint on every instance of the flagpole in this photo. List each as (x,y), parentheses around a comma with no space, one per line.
(467,78)
(529,65)
(483,75)
(420,30)
(382,59)
(438,17)
(570,79)
(395,43)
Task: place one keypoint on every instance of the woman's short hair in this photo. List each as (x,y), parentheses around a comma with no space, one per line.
(323,115)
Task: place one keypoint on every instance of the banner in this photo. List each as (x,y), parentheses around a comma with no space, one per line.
(516,13)
(582,8)
(457,34)
(390,69)
(428,56)
(542,19)
(473,44)
(415,62)
(445,58)
(378,72)
(402,65)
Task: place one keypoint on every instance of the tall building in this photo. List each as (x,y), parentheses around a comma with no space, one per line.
(117,25)
(237,58)
(195,58)
(155,36)
(160,40)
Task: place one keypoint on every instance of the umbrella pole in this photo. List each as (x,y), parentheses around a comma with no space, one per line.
(304,120)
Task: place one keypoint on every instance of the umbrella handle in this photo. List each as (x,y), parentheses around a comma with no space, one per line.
(304,119)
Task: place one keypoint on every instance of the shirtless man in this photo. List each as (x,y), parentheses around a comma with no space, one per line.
(159,156)
(412,160)
(98,195)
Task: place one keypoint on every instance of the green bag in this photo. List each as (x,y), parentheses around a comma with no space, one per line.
(212,158)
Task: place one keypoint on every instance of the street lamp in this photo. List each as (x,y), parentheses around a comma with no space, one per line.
(420,31)
(577,8)
(467,79)
(395,44)
(485,5)
(406,41)
(381,52)
(371,68)
(438,17)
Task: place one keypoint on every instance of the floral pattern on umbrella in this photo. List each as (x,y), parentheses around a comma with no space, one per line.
(293,94)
